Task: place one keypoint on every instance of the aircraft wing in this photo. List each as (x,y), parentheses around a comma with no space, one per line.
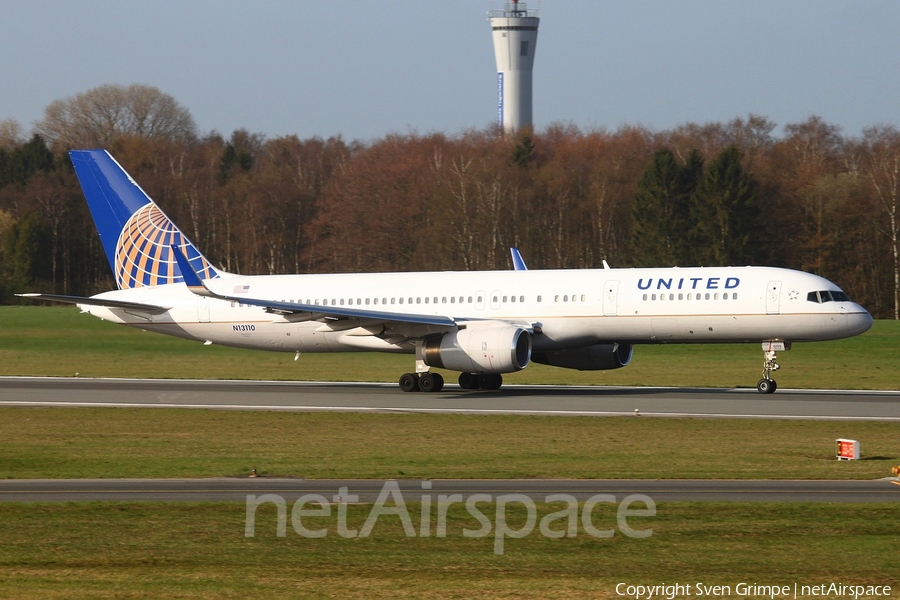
(305,312)
(109,303)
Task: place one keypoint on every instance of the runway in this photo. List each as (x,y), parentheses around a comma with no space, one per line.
(374,397)
(367,490)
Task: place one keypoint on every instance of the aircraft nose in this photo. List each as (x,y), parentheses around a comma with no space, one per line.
(859,321)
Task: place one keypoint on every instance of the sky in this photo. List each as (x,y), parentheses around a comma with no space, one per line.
(363,70)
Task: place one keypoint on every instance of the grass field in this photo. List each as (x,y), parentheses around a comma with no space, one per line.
(179,550)
(59,341)
(159,442)
(133,550)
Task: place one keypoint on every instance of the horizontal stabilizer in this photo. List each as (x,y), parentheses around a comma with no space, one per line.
(107,302)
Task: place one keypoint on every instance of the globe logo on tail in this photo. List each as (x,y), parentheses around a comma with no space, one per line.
(144,251)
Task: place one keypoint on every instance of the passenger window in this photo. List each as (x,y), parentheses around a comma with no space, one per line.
(645,296)
(734,296)
(653,297)
(583,297)
(565,298)
(452,299)
(401,300)
(521,299)
(707,295)
(470,299)
(418,300)
(556,298)
(367,301)
(716,296)
(512,298)
(504,299)
(539,299)
(671,296)
(681,296)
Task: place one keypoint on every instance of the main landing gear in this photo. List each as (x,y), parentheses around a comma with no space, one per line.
(421,382)
(434,382)
(474,381)
(767,385)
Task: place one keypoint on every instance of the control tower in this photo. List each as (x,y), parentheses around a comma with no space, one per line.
(515,30)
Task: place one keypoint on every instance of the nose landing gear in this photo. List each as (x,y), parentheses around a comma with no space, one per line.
(767,385)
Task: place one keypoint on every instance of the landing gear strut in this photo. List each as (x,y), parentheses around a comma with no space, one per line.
(422,380)
(767,385)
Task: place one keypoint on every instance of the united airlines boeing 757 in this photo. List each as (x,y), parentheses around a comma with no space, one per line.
(480,323)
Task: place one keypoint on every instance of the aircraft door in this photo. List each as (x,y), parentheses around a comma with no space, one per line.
(495,300)
(773,298)
(203,309)
(610,302)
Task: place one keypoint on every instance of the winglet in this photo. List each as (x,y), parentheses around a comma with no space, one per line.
(518,263)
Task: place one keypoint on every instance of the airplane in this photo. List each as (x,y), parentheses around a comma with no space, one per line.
(482,324)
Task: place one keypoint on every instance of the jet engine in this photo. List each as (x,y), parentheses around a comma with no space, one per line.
(599,357)
(483,348)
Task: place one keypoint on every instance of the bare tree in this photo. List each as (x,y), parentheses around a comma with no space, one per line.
(98,116)
(10,135)
(882,167)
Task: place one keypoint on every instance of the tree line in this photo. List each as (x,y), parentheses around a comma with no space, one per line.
(700,194)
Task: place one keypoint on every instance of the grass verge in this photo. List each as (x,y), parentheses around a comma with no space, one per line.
(162,442)
(135,550)
(59,341)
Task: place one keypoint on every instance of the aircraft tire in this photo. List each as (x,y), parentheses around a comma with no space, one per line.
(766,386)
(431,382)
(468,381)
(409,382)
(491,382)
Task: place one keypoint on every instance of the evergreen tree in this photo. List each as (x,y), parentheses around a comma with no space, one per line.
(725,213)
(661,209)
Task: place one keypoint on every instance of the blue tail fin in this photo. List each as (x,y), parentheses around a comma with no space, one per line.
(136,235)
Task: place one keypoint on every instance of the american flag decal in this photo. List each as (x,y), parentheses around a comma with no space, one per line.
(241,289)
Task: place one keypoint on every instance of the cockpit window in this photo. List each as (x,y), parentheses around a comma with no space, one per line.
(827,296)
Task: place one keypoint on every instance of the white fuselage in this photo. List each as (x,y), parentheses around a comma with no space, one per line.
(566,308)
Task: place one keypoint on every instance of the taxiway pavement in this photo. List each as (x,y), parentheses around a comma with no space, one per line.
(374,397)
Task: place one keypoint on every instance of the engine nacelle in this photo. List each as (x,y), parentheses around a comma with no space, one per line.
(480,349)
(599,357)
